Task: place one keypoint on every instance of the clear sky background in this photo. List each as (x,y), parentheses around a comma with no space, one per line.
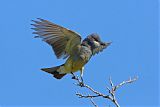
(132,26)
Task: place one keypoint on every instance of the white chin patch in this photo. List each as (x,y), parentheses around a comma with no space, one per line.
(96,43)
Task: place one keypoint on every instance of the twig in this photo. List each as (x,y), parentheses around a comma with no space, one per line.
(93,102)
(110,80)
(86,96)
(125,82)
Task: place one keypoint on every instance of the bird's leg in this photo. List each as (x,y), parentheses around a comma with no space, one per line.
(81,76)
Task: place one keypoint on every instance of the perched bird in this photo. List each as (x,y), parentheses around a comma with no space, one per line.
(67,44)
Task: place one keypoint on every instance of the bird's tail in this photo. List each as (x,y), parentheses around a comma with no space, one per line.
(55,71)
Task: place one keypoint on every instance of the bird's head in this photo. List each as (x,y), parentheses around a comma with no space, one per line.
(94,42)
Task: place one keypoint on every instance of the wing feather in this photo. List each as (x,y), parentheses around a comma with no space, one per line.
(62,40)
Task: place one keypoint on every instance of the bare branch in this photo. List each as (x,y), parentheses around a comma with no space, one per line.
(111,96)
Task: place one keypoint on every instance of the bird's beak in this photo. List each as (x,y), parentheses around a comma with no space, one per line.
(106,43)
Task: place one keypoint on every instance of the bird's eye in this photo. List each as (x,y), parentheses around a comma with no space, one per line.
(96,39)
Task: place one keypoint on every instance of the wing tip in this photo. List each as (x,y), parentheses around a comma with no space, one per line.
(36,36)
(40,19)
(35,21)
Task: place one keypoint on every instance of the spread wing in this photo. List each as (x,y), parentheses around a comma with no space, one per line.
(63,41)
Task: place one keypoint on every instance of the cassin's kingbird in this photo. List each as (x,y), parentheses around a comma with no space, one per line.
(67,44)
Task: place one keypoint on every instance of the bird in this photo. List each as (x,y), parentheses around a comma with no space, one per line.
(68,45)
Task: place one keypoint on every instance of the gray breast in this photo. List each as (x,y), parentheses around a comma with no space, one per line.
(85,53)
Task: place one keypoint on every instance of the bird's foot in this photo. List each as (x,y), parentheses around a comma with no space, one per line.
(81,84)
(73,76)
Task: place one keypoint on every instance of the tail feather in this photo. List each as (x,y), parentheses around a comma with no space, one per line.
(54,71)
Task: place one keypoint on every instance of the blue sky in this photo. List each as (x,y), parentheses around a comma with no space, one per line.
(132,26)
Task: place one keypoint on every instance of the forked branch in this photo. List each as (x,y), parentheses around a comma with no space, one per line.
(111,90)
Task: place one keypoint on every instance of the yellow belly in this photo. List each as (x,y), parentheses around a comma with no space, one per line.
(73,65)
